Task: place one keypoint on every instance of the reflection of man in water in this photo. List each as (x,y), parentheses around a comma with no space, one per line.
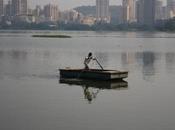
(89,95)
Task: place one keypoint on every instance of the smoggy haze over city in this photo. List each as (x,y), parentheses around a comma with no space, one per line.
(67,4)
(72,3)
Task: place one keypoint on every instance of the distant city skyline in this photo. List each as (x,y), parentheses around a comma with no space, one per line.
(69,4)
(142,12)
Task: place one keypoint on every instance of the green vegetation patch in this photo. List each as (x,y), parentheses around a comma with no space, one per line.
(52,36)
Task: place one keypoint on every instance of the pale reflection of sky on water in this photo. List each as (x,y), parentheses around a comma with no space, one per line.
(32,97)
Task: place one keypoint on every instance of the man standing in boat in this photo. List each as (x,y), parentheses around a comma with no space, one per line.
(87,60)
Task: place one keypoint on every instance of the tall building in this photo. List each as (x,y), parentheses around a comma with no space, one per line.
(118,19)
(16,7)
(159,10)
(128,11)
(146,12)
(140,11)
(102,11)
(8,9)
(149,12)
(1,7)
(171,8)
(164,12)
(51,12)
(19,7)
(24,7)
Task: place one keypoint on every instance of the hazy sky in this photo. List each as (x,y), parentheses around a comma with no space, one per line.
(67,4)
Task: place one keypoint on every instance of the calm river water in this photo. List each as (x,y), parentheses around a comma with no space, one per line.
(32,97)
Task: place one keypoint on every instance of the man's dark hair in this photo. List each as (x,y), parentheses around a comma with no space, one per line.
(90,54)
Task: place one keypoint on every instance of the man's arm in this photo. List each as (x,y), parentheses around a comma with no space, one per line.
(94,58)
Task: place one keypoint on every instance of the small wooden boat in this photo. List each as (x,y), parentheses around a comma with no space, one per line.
(95,74)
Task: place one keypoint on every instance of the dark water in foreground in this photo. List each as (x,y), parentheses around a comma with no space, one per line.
(31,97)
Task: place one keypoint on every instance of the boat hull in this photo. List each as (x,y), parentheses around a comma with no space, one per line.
(93,74)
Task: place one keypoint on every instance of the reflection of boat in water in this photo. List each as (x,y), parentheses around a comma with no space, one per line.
(114,84)
(91,88)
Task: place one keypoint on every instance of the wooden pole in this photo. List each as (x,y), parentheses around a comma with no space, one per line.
(99,64)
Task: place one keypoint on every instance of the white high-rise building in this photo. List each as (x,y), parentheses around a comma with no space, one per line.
(129,11)
(102,11)
(159,10)
(51,12)
(171,8)
(1,7)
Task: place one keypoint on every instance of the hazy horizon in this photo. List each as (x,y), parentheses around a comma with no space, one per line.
(68,4)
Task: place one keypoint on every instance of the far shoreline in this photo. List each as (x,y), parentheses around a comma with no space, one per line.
(56,30)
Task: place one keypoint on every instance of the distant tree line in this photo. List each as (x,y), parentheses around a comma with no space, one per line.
(168,25)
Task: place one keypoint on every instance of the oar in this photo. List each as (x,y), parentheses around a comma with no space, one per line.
(99,63)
